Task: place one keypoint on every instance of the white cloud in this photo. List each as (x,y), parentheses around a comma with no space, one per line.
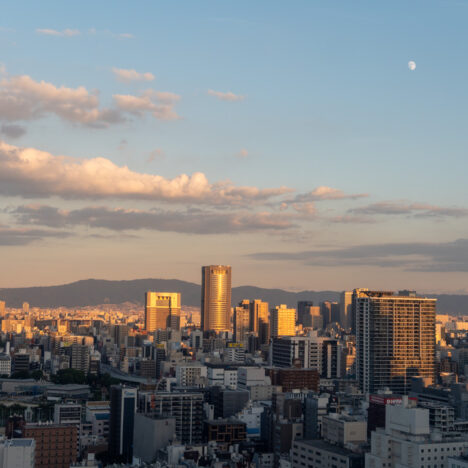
(159,104)
(228,96)
(29,172)
(412,65)
(127,76)
(126,36)
(57,33)
(22,98)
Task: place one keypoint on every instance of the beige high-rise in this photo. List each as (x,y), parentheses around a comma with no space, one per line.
(162,310)
(216,298)
(283,321)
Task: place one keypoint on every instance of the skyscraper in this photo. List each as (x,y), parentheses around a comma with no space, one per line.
(2,308)
(162,310)
(395,339)
(303,308)
(346,310)
(216,298)
(123,403)
(283,321)
(242,322)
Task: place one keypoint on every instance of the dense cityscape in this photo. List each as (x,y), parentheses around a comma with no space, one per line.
(233,234)
(375,380)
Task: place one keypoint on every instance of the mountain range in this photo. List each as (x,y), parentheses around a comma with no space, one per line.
(94,292)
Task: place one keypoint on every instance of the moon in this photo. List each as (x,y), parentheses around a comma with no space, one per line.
(412,65)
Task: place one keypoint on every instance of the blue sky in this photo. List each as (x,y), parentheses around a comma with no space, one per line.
(322,97)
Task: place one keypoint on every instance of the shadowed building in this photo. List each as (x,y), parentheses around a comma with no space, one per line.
(216,298)
(395,339)
(162,310)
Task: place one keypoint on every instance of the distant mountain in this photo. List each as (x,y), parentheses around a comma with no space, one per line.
(95,292)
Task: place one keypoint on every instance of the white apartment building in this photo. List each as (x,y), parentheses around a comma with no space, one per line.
(407,441)
(190,375)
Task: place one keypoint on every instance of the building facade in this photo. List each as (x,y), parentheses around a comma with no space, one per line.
(162,310)
(216,298)
(395,339)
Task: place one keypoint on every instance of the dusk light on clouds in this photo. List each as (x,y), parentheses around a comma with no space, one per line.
(291,143)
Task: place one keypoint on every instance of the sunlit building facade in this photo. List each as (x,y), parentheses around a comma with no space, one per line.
(162,310)
(395,339)
(283,321)
(216,298)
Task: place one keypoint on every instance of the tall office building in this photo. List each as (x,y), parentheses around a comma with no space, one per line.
(259,313)
(162,310)
(395,339)
(2,308)
(283,321)
(242,322)
(346,310)
(123,403)
(303,308)
(325,310)
(216,298)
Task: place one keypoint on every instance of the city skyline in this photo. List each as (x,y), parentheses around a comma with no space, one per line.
(312,146)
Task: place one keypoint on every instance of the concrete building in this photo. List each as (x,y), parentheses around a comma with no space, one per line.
(150,434)
(321,454)
(298,351)
(250,376)
(17,453)
(216,298)
(185,408)
(227,402)
(162,310)
(283,321)
(223,376)
(395,339)
(341,429)
(191,375)
(5,364)
(407,441)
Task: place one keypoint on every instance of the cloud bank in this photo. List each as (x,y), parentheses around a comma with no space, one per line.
(29,172)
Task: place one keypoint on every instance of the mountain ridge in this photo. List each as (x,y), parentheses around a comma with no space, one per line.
(93,292)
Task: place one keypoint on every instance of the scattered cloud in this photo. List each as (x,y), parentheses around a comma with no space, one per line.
(120,219)
(159,104)
(413,256)
(57,33)
(417,210)
(158,153)
(12,130)
(22,236)
(326,193)
(127,76)
(242,154)
(229,96)
(22,98)
(126,36)
(29,172)
(412,65)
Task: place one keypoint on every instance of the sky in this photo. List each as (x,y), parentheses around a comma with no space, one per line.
(308,144)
